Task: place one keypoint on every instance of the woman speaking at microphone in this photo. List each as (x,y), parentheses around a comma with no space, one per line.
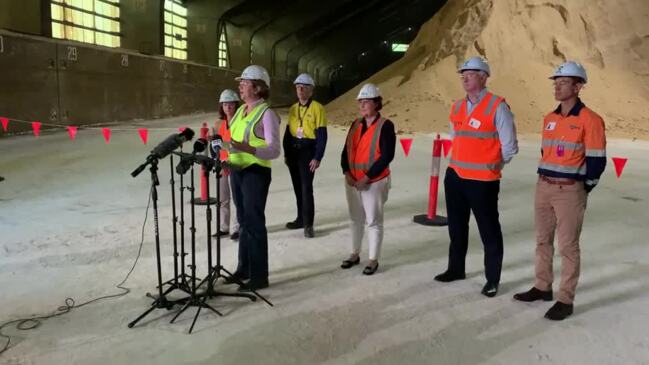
(254,132)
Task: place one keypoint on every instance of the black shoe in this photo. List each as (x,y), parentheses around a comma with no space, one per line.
(296,224)
(250,286)
(369,270)
(235,278)
(349,263)
(221,234)
(559,311)
(490,290)
(235,236)
(534,294)
(447,276)
(308,232)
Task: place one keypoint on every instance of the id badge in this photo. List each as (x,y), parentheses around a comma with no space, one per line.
(300,132)
(560,150)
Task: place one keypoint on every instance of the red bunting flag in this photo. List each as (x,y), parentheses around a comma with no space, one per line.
(406,143)
(106,132)
(36,127)
(5,123)
(447,144)
(619,163)
(72,131)
(144,134)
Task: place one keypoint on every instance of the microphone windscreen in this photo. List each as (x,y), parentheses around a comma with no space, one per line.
(199,145)
(188,134)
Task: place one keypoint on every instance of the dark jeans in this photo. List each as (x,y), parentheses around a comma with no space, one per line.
(298,166)
(250,191)
(481,197)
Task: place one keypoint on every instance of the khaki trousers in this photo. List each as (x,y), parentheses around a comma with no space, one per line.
(560,209)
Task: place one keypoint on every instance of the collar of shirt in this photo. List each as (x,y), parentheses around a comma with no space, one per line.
(370,122)
(574,112)
(481,96)
(254,104)
(308,103)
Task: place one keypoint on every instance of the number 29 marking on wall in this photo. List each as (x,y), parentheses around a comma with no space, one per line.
(72,53)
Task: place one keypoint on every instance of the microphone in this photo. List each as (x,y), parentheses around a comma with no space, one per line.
(187,160)
(199,146)
(216,146)
(164,148)
(171,143)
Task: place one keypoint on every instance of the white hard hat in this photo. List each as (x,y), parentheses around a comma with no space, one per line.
(475,63)
(571,69)
(368,91)
(254,72)
(304,79)
(229,96)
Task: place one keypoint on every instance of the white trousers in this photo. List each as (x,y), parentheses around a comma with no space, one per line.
(366,208)
(224,187)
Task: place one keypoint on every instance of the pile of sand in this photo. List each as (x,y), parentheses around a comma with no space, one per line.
(523,41)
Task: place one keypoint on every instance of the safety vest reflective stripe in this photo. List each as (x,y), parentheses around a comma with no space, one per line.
(481,135)
(458,105)
(375,140)
(477,166)
(595,153)
(556,142)
(490,106)
(565,169)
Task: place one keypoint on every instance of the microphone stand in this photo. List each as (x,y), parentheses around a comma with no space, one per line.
(161,301)
(195,299)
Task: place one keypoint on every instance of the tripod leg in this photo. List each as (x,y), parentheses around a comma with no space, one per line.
(198,311)
(246,296)
(153,306)
(184,308)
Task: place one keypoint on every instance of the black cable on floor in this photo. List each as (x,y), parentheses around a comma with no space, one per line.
(33,322)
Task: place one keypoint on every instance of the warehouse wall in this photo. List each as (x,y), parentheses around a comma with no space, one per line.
(66,82)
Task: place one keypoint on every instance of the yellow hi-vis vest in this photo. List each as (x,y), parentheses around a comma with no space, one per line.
(242,130)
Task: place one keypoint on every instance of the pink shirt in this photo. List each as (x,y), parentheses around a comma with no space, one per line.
(268,129)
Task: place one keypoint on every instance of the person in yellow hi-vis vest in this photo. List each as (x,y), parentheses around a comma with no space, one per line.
(304,143)
(254,133)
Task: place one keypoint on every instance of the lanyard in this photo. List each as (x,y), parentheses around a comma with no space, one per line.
(301,116)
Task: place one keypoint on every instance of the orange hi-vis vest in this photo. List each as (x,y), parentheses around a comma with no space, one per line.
(363,148)
(476,152)
(568,141)
(224,132)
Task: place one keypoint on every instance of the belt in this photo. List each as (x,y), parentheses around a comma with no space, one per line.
(557,181)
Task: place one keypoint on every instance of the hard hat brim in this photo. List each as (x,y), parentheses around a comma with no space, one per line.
(472,69)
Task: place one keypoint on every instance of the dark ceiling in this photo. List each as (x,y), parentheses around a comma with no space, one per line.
(340,42)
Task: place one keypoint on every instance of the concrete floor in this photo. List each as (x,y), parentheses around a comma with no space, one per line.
(70,225)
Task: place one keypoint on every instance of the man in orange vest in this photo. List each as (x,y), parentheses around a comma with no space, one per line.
(484,139)
(573,157)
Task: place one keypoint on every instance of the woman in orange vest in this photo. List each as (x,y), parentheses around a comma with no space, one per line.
(230,102)
(365,161)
